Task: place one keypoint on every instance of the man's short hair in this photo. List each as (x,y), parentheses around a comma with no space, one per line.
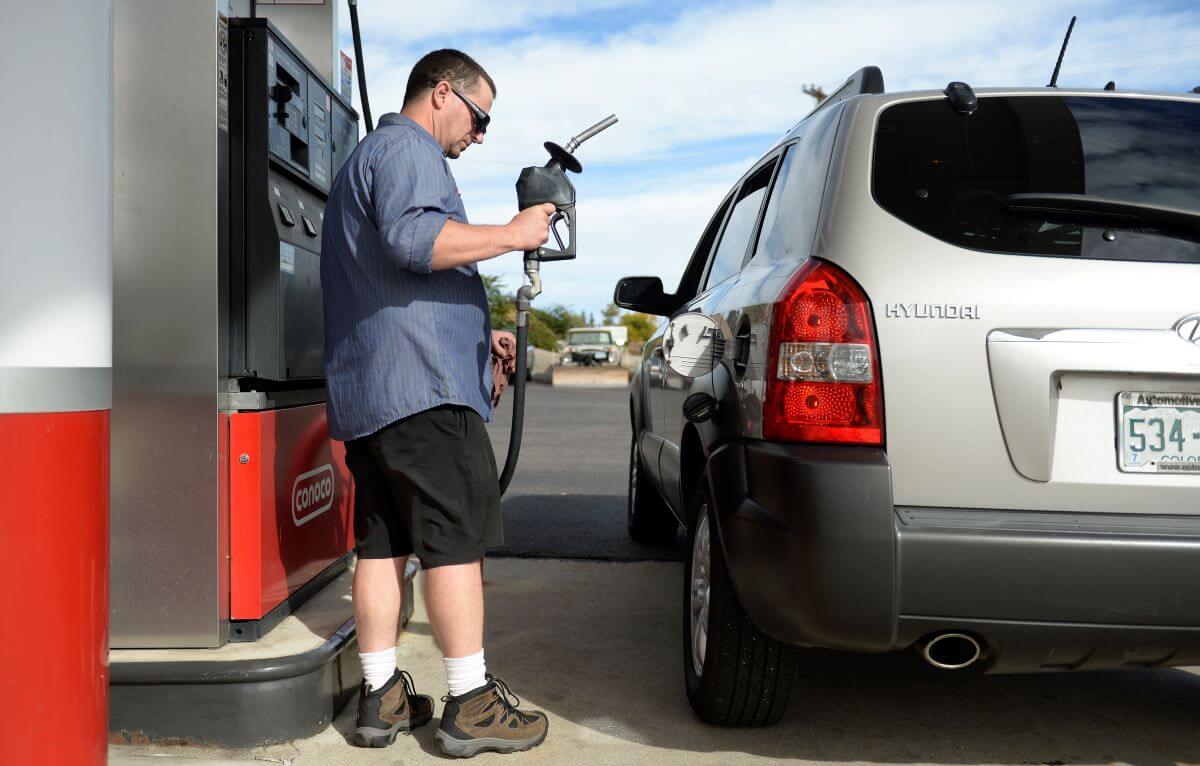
(462,71)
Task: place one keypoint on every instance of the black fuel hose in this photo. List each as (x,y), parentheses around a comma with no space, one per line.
(358,62)
(518,413)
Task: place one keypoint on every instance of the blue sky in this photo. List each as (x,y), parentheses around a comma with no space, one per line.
(704,88)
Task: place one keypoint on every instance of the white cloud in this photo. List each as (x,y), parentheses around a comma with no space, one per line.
(721,72)
(402,23)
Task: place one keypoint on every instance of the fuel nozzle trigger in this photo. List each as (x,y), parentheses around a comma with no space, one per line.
(549,183)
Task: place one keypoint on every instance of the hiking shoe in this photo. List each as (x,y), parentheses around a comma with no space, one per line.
(385,712)
(487,718)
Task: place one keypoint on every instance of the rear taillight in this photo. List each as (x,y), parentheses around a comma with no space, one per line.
(823,369)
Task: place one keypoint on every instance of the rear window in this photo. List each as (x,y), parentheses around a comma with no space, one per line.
(584,338)
(949,174)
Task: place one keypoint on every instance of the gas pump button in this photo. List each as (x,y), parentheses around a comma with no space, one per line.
(309,228)
(285,215)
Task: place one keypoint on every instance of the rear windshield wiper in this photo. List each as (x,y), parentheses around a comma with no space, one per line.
(1104,210)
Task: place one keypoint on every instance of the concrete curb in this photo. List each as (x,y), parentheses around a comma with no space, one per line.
(607,377)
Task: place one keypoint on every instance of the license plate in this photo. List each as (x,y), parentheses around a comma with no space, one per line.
(1159,432)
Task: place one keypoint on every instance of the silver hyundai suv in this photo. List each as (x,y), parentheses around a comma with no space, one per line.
(956,396)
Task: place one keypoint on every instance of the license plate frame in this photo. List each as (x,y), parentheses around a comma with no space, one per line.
(1167,428)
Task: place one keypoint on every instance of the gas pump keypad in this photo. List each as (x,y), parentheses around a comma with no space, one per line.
(285,215)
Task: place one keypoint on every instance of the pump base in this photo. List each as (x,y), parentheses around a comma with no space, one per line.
(291,683)
(255,630)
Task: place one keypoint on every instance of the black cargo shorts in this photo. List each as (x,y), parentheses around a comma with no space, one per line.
(426,484)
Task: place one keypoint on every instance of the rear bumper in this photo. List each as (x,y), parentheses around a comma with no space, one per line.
(820,556)
(588,357)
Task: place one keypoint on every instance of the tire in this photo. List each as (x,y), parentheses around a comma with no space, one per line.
(648,519)
(741,676)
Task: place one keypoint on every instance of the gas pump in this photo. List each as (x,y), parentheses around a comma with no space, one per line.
(290,518)
(231,505)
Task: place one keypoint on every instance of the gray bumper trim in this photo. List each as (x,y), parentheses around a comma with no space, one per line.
(1101,569)
(55,389)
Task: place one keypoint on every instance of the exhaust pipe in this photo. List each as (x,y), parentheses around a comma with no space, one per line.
(951,651)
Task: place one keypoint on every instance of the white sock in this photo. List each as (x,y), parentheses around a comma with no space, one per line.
(465,673)
(378,667)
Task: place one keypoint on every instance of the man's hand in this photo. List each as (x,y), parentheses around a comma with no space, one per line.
(504,362)
(460,243)
(498,349)
(530,228)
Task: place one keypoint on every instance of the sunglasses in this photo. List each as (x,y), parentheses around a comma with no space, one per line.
(481,117)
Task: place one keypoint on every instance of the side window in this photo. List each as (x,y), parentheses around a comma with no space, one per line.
(731,251)
(790,222)
(689,284)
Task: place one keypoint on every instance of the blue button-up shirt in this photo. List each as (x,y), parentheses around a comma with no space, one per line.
(399,338)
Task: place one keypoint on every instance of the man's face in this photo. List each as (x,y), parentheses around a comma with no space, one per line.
(459,121)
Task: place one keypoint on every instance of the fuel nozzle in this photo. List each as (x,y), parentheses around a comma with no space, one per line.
(549,183)
(564,157)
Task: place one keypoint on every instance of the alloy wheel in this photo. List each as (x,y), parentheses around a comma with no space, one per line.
(700,590)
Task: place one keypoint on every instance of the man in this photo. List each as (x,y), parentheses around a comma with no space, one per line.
(408,344)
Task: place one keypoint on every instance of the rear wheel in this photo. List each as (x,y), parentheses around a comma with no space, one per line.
(736,675)
(648,518)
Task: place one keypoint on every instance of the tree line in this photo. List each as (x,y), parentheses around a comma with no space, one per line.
(548,326)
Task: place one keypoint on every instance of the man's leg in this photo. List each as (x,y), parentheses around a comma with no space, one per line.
(378,593)
(479,714)
(387,704)
(454,602)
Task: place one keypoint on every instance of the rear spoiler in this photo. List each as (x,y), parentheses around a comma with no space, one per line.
(866,80)
(869,79)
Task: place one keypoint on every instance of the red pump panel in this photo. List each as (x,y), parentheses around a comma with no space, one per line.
(291,501)
(54,587)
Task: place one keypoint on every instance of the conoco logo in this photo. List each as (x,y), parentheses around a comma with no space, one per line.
(312,494)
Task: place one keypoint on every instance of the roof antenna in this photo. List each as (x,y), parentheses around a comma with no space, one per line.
(1061,53)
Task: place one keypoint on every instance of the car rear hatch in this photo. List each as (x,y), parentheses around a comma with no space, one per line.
(1034,272)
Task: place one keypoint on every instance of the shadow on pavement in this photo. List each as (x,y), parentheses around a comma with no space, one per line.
(576,527)
(599,645)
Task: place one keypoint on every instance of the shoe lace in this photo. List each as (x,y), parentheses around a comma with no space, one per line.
(510,701)
(410,694)
(410,689)
(504,697)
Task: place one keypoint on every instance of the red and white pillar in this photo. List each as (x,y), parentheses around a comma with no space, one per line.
(55,381)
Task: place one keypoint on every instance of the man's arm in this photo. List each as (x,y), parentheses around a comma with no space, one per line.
(460,243)
(407,193)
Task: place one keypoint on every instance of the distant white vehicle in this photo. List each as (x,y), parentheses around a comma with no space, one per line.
(595,345)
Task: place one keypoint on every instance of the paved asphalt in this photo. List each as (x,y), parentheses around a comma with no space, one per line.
(598,646)
(567,499)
